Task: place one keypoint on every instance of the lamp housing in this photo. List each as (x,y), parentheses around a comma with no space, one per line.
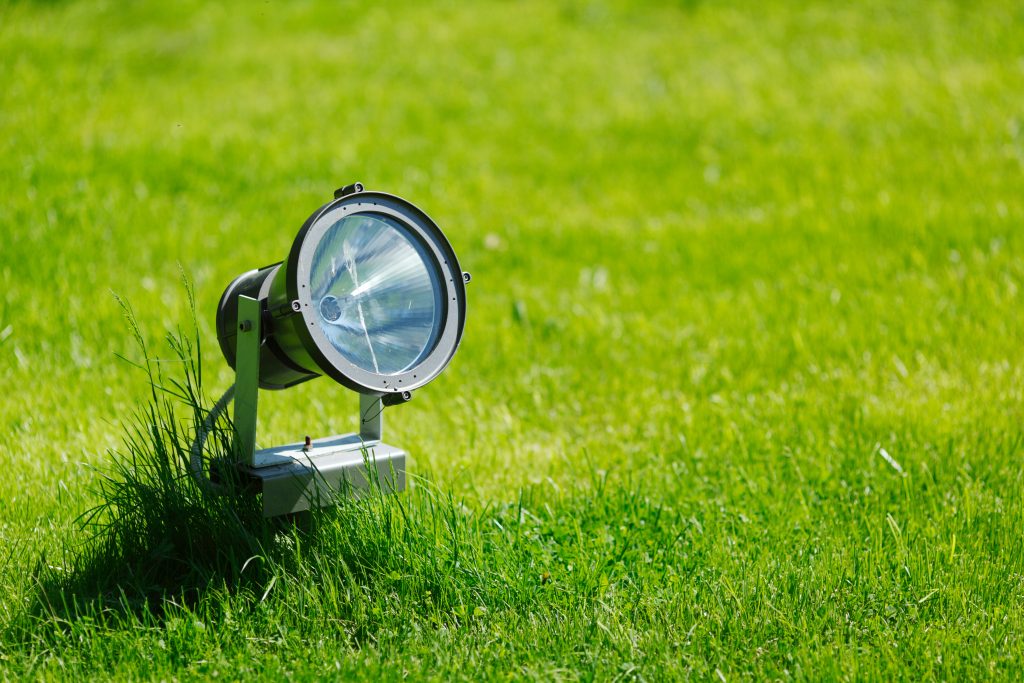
(371,295)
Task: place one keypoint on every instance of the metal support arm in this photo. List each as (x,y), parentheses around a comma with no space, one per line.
(296,476)
(247,378)
(371,419)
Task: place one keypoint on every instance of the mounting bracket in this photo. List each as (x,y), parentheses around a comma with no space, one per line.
(302,475)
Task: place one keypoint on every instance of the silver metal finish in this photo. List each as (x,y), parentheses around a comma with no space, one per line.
(313,478)
(291,477)
(268,457)
(247,378)
(371,295)
(371,419)
(395,330)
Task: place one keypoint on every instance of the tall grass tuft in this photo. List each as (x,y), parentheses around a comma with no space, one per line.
(157,532)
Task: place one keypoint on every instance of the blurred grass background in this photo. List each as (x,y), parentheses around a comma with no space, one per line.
(729,250)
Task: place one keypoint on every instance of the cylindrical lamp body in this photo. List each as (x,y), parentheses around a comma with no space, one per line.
(279,353)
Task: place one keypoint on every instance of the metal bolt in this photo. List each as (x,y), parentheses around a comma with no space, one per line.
(347,190)
(296,306)
(245,325)
(396,398)
(466,277)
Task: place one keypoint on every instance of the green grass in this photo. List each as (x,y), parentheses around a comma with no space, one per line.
(725,256)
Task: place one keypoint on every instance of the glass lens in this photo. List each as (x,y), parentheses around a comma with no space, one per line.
(377,293)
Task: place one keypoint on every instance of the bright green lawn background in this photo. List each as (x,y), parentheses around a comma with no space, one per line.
(726,252)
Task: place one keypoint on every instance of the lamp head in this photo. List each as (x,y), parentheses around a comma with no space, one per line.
(371,295)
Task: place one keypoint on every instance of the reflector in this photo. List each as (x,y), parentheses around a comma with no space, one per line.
(378,293)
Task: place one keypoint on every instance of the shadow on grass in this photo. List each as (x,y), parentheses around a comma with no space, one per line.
(158,533)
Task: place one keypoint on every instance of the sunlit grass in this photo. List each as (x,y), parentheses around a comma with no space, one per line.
(740,386)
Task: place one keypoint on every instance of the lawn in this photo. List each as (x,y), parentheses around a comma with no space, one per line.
(740,394)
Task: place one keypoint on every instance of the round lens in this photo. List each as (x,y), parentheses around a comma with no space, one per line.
(377,292)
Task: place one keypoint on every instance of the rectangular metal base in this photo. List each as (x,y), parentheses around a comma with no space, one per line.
(293,479)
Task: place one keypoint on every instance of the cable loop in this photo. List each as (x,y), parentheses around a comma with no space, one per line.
(196,469)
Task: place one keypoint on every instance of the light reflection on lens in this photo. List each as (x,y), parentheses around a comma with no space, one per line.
(377,293)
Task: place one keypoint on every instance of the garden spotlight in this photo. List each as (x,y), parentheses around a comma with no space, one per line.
(371,295)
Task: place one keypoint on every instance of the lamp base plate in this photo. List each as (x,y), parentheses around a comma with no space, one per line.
(294,479)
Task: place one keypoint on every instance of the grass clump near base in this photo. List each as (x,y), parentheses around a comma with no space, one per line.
(156,533)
